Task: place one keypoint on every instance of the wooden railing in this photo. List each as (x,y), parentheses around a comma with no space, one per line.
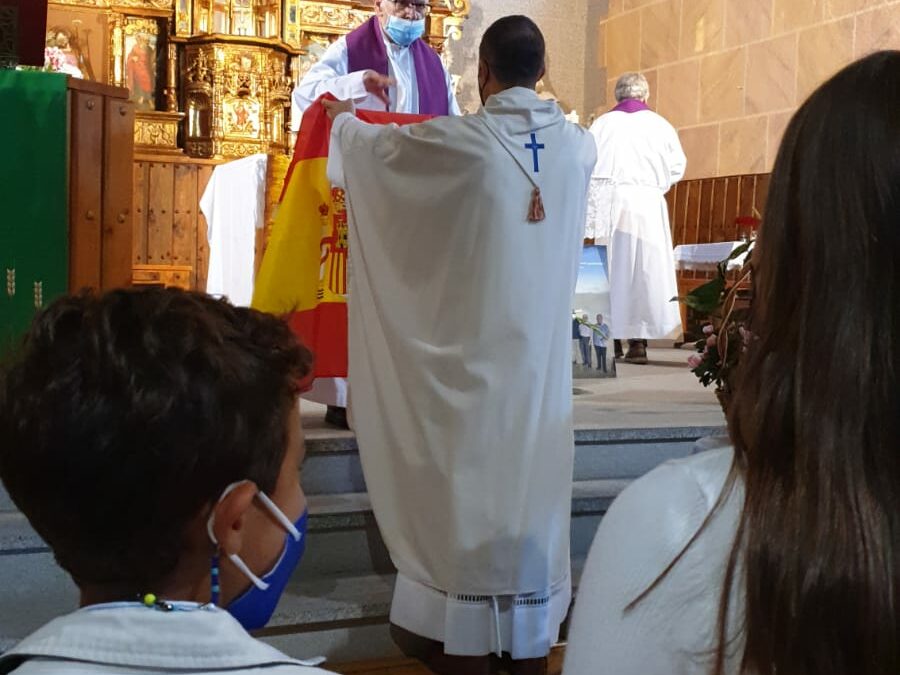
(706,210)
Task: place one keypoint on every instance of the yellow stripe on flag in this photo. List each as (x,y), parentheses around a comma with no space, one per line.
(289,275)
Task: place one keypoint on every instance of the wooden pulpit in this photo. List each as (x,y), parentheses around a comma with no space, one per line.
(66,193)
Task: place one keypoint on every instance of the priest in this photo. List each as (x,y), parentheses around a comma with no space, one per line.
(639,160)
(465,241)
(383,65)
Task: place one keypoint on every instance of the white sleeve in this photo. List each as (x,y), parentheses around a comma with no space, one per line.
(349,133)
(676,158)
(643,531)
(335,167)
(329,75)
(453,104)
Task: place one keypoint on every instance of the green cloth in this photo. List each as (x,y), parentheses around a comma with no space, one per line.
(34,238)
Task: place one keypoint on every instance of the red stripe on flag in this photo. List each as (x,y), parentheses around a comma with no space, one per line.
(324,330)
(315,131)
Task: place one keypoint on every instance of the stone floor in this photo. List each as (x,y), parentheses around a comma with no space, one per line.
(663,393)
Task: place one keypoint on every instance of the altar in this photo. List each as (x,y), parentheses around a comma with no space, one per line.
(707,257)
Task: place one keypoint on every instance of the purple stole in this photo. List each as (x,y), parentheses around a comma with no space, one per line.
(366,51)
(631,105)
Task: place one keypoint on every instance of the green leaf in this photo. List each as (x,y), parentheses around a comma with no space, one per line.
(705,298)
(740,250)
(722,267)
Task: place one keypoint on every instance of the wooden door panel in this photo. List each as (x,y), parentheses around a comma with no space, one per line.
(160,213)
(184,229)
(85,190)
(139,215)
(117,194)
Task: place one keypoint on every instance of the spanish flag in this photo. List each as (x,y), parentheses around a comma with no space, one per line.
(303,275)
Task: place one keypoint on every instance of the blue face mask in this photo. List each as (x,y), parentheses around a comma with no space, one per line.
(255,606)
(403,31)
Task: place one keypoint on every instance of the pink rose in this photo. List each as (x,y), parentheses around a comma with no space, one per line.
(711,341)
(708,329)
(695,360)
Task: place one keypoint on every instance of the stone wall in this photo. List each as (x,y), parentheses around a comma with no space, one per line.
(730,73)
(563,25)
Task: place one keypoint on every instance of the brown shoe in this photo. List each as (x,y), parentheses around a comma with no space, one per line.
(637,353)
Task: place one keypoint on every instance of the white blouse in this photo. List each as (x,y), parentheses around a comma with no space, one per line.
(672,631)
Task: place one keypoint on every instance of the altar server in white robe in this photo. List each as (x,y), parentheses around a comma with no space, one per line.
(384,64)
(465,241)
(639,160)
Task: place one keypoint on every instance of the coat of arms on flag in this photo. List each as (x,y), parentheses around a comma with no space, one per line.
(303,275)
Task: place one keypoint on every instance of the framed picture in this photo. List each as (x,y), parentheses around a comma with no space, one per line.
(77,38)
(182,18)
(139,59)
(242,117)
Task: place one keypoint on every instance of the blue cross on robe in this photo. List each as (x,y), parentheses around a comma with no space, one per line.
(534,146)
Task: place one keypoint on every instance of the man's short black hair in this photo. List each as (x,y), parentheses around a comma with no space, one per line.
(514,49)
(125,414)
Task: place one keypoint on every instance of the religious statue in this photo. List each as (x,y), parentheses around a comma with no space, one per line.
(64,53)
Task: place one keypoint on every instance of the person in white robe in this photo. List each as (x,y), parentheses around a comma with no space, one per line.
(465,243)
(395,91)
(349,69)
(639,159)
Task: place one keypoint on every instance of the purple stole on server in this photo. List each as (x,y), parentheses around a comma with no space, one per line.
(366,51)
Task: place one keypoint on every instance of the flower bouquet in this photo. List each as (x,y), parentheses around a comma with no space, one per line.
(725,334)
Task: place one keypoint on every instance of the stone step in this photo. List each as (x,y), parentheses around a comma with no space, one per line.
(332,463)
(343,536)
(332,479)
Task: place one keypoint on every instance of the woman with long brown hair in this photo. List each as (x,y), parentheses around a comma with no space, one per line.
(782,554)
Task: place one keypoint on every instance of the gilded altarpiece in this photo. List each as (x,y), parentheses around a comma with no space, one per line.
(237,96)
(214,77)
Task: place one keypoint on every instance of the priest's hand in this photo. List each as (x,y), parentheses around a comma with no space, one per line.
(335,108)
(377,85)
